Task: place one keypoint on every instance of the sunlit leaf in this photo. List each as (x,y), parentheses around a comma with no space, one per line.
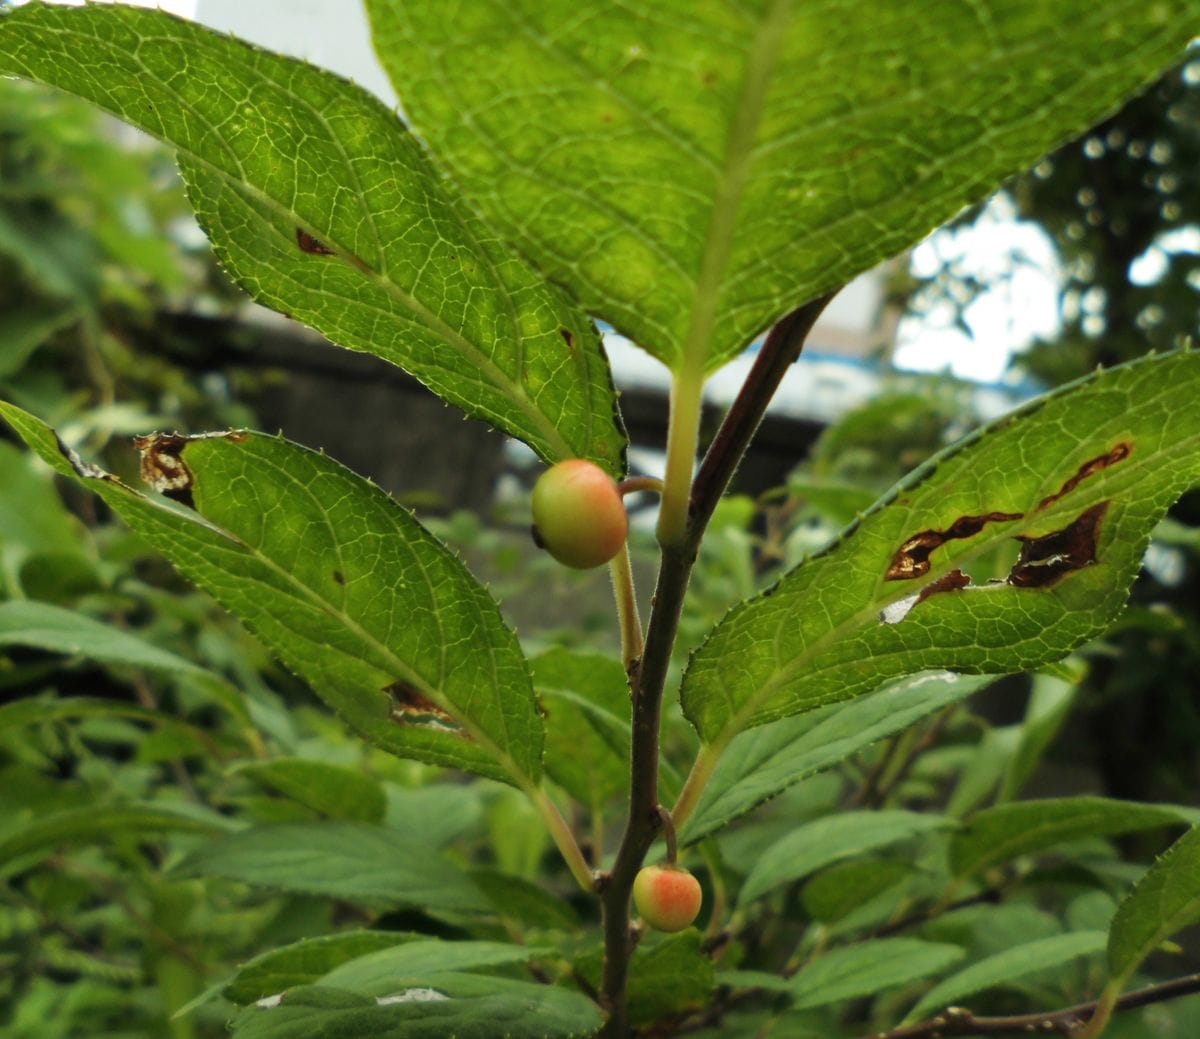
(695,170)
(321,205)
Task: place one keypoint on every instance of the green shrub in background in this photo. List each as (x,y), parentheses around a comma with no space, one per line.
(694,176)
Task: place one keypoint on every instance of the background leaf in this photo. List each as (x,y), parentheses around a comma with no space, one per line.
(333,791)
(1006,967)
(586,698)
(763,761)
(347,588)
(322,206)
(694,171)
(829,839)
(1006,831)
(868,969)
(1075,481)
(353,861)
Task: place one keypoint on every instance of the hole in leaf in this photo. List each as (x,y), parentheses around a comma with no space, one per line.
(1045,560)
(162,466)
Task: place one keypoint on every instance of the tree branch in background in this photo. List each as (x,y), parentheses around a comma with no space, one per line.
(956,1021)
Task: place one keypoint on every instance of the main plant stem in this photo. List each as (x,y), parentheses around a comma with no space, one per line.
(687,507)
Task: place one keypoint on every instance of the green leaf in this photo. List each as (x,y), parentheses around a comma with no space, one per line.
(321,205)
(95,824)
(24,328)
(1006,831)
(668,976)
(58,630)
(354,595)
(32,516)
(353,861)
(524,901)
(830,839)
(586,700)
(38,711)
(1006,967)
(418,963)
(839,890)
(762,762)
(304,962)
(694,171)
(868,969)
(1049,705)
(330,790)
(1075,482)
(473,1007)
(1164,901)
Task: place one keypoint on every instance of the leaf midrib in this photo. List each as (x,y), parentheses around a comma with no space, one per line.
(761,60)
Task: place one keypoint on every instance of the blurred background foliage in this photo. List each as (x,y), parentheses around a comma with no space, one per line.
(106,299)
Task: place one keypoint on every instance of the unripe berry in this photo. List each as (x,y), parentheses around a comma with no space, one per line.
(578,514)
(667,897)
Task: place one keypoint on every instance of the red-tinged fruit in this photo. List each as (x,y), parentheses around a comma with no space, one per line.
(578,514)
(668,898)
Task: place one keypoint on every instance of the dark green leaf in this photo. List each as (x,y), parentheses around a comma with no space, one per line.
(694,171)
(830,839)
(304,962)
(330,790)
(586,699)
(1074,482)
(352,861)
(1006,967)
(418,963)
(868,969)
(1006,831)
(346,587)
(321,204)
(839,890)
(95,824)
(473,1008)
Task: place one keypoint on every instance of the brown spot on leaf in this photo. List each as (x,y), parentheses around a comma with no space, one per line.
(309,244)
(413,708)
(567,338)
(912,558)
(1089,468)
(339,577)
(162,466)
(1045,560)
(947,583)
